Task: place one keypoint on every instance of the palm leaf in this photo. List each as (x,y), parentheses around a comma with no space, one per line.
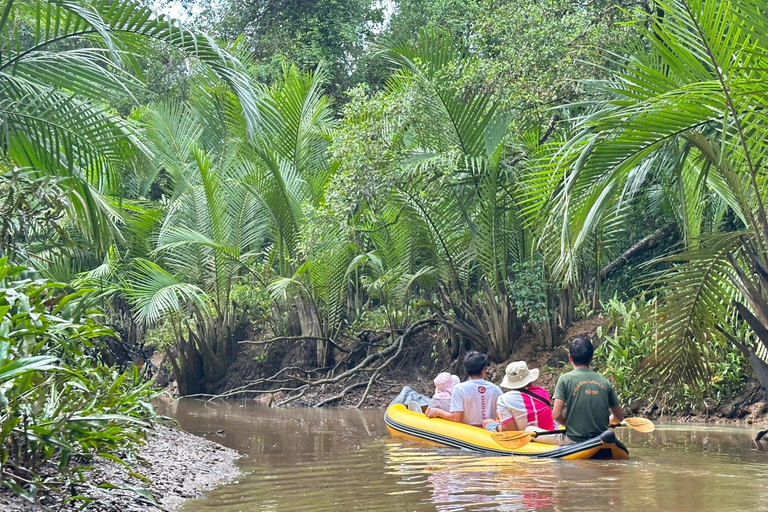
(694,297)
(154,292)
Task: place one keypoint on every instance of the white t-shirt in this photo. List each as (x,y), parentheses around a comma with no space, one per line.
(512,408)
(476,398)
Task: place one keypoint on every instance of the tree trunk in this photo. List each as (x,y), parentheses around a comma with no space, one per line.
(311,325)
(546,334)
(454,337)
(759,367)
(188,370)
(497,318)
(565,307)
(634,252)
(753,286)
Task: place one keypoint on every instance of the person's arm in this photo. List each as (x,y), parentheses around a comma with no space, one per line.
(617,414)
(558,413)
(512,425)
(457,409)
(456,416)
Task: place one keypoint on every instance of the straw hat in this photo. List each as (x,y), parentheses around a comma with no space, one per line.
(518,375)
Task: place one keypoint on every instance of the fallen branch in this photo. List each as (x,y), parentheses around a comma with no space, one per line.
(388,354)
(411,328)
(641,247)
(295,338)
(273,379)
(301,394)
(340,395)
(395,348)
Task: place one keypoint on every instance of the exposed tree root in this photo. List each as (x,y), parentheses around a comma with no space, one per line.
(292,375)
(295,338)
(340,395)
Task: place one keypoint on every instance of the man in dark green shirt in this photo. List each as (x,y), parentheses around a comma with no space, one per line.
(587,397)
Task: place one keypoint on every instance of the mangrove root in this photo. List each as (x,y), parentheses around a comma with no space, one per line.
(308,379)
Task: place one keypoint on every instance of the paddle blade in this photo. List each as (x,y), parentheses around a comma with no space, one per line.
(639,424)
(512,440)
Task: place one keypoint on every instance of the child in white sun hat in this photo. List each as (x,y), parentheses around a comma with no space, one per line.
(444,383)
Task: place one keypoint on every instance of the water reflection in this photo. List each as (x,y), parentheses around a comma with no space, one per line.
(458,481)
(341,459)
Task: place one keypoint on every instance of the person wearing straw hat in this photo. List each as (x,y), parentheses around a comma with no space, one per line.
(524,406)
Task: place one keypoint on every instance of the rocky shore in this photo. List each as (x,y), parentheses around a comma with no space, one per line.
(173,465)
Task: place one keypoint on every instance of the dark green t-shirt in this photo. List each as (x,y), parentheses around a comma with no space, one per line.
(587,396)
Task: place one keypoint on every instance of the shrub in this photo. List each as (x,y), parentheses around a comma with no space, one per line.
(631,340)
(60,405)
(622,350)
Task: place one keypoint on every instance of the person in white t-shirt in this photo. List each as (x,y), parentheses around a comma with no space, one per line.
(474,400)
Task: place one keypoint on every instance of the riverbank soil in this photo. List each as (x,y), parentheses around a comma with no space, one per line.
(174,466)
(423,357)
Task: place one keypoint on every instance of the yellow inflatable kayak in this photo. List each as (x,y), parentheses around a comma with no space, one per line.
(413,425)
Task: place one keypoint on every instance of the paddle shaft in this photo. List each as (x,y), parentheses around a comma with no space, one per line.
(546,432)
(515,439)
(562,431)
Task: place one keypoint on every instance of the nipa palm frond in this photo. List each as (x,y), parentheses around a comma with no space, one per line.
(155,293)
(693,298)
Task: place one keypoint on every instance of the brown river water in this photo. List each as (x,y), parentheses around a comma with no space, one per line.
(343,459)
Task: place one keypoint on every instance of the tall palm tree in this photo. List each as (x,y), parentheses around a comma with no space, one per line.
(187,251)
(690,101)
(293,169)
(60,63)
(474,221)
(212,230)
(236,205)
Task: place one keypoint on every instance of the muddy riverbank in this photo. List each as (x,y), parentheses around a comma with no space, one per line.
(173,465)
(425,356)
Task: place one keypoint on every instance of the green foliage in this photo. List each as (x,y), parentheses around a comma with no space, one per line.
(528,291)
(57,406)
(369,146)
(622,352)
(252,297)
(305,33)
(161,337)
(540,53)
(679,113)
(373,319)
(630,341)
(61,62)
(32,212)
(445,186)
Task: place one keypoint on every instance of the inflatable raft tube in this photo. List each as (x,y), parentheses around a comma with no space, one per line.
(415,426)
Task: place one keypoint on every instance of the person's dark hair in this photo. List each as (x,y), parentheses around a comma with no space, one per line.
(474,362)
(581,350)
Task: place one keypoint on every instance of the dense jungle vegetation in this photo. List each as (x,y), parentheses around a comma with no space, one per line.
(308,171)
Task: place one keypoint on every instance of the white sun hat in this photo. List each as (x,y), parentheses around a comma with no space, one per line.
(518,375)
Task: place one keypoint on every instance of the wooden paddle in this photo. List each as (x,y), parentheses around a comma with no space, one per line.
(640,424)
(512,439)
